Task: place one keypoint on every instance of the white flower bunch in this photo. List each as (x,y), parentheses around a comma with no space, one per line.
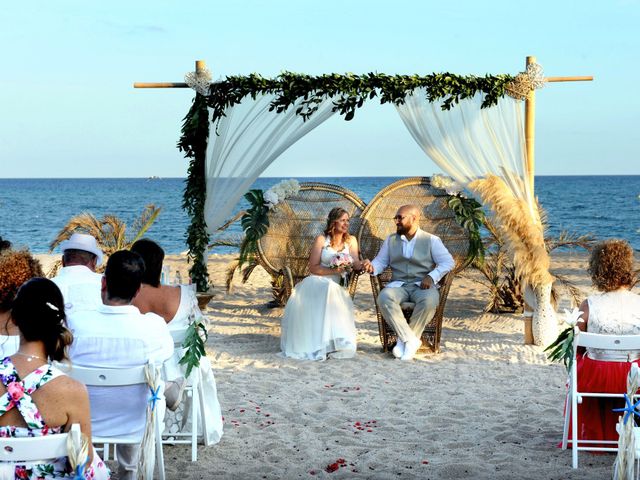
(447,184)
(280,191)
(572,318)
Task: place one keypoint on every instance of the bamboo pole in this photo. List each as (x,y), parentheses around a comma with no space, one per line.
(529,129)
(569,79)
(200,66)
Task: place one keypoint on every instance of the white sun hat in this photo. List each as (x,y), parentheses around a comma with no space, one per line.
(82,241)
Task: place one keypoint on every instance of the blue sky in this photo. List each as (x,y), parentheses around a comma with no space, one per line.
(68,109)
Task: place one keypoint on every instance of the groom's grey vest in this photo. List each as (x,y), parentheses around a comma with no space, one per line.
(414,269)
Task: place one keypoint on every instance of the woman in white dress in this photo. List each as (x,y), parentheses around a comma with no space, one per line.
(179,308)
(319,320)
(613,311)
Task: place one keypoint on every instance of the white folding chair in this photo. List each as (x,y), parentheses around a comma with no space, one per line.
(119,377)
(591,340)
(32,449)
(193,390)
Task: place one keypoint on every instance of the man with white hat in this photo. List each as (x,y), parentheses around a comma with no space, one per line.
(77,279)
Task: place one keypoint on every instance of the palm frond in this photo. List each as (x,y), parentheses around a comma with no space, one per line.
(574,291)
(85,222)
(248,270)
(228,223)
(571,240)
(144,222)
(231,270)
(114,231)
(230,240)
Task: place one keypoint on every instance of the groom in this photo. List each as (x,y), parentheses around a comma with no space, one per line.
(418,261)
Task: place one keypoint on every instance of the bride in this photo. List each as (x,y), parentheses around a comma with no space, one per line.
(319,319)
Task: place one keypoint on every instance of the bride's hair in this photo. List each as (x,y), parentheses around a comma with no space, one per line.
(332,218)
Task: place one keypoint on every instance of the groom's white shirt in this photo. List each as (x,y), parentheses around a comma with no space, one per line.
(80,288)
(441,257)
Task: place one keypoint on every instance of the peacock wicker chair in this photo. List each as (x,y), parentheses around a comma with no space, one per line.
(437,218)
(295,223)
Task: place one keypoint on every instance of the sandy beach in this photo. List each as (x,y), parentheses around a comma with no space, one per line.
(487,406)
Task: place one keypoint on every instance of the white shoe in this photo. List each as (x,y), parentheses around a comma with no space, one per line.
(398,350)
(410,349)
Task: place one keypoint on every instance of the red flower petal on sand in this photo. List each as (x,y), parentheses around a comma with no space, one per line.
(341,460)
(357,424)
(312,472)
(332,467)
(425,462)
(369,430)
(242,410)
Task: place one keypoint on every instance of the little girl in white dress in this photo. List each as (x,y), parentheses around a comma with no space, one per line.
(319,319)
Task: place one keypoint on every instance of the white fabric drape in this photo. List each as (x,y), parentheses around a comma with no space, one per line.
(249,138)
(468,142)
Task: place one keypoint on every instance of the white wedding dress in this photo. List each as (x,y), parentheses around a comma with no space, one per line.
(318,319)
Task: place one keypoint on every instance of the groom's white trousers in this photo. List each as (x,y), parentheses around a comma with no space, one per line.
(426,301)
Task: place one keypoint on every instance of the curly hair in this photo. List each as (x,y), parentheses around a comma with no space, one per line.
(611,265)
(332,218)
(16,267)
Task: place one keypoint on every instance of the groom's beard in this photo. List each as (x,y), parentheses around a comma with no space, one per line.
(401,230)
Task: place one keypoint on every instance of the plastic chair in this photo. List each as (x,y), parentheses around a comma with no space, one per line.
(119,377)
(591,340)
(193,391)
(30,449)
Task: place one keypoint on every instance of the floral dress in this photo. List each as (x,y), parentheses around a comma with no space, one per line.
(18,395)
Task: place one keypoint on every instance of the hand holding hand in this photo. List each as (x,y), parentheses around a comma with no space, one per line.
(367,266)
(427,282)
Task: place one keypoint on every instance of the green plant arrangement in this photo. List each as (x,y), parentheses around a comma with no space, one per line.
(561,350)
(193,142)
(193,344)
(469,215)
(350,91)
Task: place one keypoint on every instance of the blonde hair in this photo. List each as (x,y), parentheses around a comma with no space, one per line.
(332,218)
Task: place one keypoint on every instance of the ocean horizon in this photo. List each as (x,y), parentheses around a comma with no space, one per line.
(33,210)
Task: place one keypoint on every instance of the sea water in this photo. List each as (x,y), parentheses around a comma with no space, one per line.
(32,211)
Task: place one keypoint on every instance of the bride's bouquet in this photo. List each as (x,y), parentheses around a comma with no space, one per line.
(345,261)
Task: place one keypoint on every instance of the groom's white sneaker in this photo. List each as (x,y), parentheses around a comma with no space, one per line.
(398,350)
(410,349)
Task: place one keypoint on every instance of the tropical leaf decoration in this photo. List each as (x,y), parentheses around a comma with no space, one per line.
(193,344)
(471,217)
(254,223)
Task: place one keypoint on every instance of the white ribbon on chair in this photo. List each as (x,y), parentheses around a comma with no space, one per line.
(147,460)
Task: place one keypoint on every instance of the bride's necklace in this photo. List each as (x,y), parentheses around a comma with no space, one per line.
(30,356)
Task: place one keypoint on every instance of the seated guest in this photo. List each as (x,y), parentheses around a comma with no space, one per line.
(37,399)
(179,308)
(117,335)
(77,279)
(16,267)
(615,311)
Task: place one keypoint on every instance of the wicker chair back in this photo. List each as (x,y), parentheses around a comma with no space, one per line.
(296,222)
